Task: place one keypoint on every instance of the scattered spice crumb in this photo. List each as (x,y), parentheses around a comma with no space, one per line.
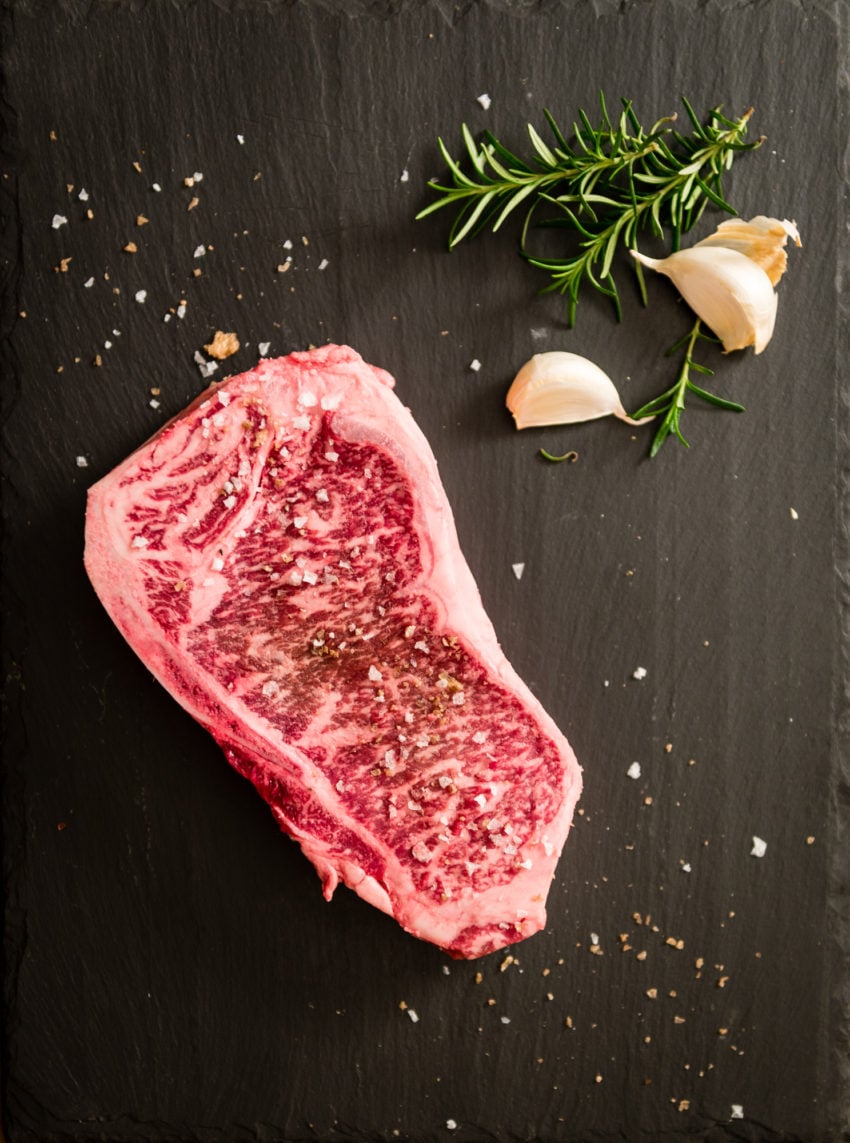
(810,840)
(62,268)
(678,1019)
(141,220)
(98,360)
(137,166)
(652,993)
(131,248)
(193,202)
(683,1105)
(222,345)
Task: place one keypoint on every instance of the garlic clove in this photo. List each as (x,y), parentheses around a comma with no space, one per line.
(560,388)
(730,292)
(761,239)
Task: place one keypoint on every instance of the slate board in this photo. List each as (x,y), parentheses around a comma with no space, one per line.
(171,971)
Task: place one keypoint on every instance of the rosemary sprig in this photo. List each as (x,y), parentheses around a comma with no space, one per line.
(607,185)
(670,404)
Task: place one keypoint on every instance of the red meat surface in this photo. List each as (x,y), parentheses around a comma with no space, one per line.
(283,558)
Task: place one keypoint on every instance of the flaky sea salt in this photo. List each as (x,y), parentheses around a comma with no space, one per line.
(88,283)
(200,251)
(263,348)
(639,673)
(634,770)
(58,220)
(518,569)
(323,265)
(83,196)
(737,1111)
(404,176)
(82,462)
(413,1014)
(484,100)
(759,847)
(475,365)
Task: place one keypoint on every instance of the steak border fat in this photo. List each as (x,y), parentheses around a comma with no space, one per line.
(282,556)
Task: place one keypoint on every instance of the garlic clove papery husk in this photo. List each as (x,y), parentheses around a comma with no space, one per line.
(560,388)
(730,292)
(761,239)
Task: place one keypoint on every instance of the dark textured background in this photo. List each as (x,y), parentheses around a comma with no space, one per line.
(171,970)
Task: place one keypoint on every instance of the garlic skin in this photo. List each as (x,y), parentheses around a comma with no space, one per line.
(727,279)
(761,239)
(560,388)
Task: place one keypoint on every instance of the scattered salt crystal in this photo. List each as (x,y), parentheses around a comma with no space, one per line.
(794,514)
(207,368)
(58,220)
(737,1111)
(240,139)
(322,495)
(217,564)
(82,462)
(480,736)
(299,521)
(686,867)
(181,310)
(154,404)
(302,422)
(484,100)
(270,688)
(263,348)
(475,365)
(308,400)
(458,698)
(759,847)
(594,938)
(374,674)
(518,569)
(505,1019)
(444,781)
(166,317)
(634,770)
(480,799)
(421,852)
(310,577)
(200,251)
(323,265)
(409,631)
(88,284)
(639,673)
(223,398)
(229,502)
(404,176)
(156,187)
(139,542)
(287,244)
(451,1124)
(331,456)
(83,196)
(198,176)
(411,1012)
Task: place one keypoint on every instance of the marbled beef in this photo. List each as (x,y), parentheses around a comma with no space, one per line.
(283,558)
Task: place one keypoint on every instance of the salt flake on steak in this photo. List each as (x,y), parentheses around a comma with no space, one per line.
(407,791)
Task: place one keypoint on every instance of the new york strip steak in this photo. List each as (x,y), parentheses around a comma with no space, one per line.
(282,556)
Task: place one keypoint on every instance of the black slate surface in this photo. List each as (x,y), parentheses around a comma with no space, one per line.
(171,971)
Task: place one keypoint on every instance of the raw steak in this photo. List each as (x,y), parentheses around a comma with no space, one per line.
(283,558)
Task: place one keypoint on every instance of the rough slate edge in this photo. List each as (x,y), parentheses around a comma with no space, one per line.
(841,555)
(840,888)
